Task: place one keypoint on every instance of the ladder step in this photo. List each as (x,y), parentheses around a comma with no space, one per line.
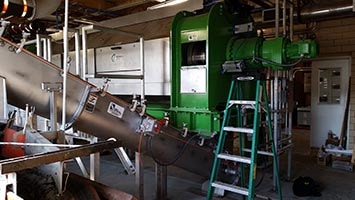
(231,188)
(235,158)
(239,130)
(242,102)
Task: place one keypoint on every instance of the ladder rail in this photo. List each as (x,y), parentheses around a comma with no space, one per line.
(255,140)
(259,106)
(221,140)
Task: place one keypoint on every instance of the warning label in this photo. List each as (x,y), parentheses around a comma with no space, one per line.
(91,103)
(115,110)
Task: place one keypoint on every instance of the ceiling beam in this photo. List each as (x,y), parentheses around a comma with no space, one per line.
(151,15)
(129,4)
(102,5)
(261,3)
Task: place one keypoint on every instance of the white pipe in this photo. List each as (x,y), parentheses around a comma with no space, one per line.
(276,80)
(45,49)
(38,45)
(65,62)
(4,100)
(49,49)
(141,41)
(30,42)
(77,53)
(276,102)
(84,46)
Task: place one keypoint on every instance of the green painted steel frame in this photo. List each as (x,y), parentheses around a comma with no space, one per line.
(199,110)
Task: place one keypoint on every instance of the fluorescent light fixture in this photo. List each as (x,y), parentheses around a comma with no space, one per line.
(166,3)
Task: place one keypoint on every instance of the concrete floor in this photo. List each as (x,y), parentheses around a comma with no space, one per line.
(182,185)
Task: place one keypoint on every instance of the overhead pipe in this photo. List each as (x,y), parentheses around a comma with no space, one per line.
(43,8)
(16,8)
(316,13)
(277,17)
(284,28)
(291,20)
(320,12)
(30,9)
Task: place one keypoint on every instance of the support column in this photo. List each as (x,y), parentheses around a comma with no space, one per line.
(160,181)
(139,176)
(94,163)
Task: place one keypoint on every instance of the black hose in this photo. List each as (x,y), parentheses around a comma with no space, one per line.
(262,175)
(178,155)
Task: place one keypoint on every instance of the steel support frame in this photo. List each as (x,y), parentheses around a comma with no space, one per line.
(94,159)
(95,28)
(94,162)
(31,161)
(126,162)
(44,46)
(280,113)
(9,167)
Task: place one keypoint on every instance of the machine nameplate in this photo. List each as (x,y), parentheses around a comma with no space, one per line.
(115,110)
(91,103)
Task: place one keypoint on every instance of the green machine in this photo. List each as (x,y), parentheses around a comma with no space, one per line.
(204,48)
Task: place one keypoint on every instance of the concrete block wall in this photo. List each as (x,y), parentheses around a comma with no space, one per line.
(337,38)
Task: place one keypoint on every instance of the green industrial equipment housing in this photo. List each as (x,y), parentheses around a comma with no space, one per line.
(205,48)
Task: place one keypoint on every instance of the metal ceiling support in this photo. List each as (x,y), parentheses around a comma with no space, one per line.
(130,5)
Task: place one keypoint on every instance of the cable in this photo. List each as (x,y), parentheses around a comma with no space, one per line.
(178,155)
(208,4)
(263,173)
(275,63)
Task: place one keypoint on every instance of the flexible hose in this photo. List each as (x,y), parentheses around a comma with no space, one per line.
(178,155)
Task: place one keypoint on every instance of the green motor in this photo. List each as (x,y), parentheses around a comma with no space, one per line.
(253,53)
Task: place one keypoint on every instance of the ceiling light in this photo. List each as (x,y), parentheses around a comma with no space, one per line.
(166,3)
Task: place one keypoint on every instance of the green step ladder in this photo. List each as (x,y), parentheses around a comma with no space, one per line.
(235,92)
